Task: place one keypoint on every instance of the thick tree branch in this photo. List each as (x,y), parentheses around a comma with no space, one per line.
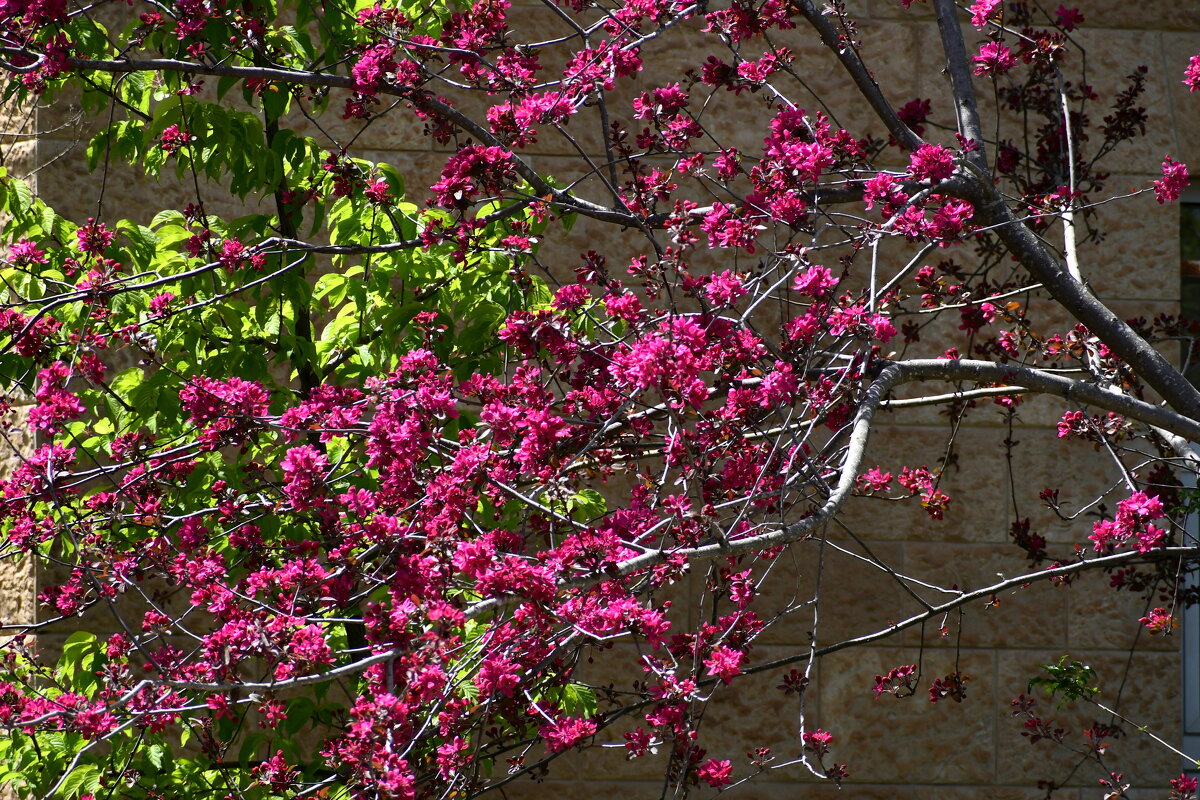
(966,106)
(861,76)
(1146,362)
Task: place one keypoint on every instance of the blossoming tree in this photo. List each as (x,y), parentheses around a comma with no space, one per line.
(386,477)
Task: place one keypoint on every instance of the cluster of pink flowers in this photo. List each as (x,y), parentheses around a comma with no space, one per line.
(1191,77)
(471,171)
(1133,521)
(1174,180)
(994,58)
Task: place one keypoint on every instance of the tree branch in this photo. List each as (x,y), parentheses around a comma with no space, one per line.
(860,75)
(966,106)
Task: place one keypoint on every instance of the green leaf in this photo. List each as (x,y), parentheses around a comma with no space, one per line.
(578,700)
(158,755)
(393,178)
(83,779)
(587,505)
(1067,677)
(21,199)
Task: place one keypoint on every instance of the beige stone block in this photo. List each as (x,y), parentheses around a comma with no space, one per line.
(420,170)
(18,122)
(1033,615)
(17,591)
(1138,258)
(977,498)
(753,712)
(910,740)
(527,789)
(1151,691)
(21,161)
(888,50)
(1025,792)
(1177,49)
(732,720)
(1082,473)
(1101,617)
(812,790)
(1156,15)
(1110,56)
(857,593)
(393,125)
(917,11)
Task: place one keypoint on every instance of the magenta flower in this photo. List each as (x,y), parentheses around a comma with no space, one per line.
(566,732)
(982,11)
(724,288)
(818,742)
(725,663)
(25,252)
(94,237)
(932,162)
(994,59)
(1174,181)
(715,773)
(1068,18)
(1191,76)
(1159,621)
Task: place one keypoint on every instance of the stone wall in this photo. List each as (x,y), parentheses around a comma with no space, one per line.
(894,749)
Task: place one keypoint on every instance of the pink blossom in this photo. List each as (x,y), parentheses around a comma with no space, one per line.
(624,306)
(897,679)
(1152,538)
(303,469)
(742,589)
(816,281)
(173,139)
(726,164)
(497,675)
(932,162)
(881,189)
(160,303)
(882,328)
(1191,76)
(725,663)
(1068,18)
(571,296)
(55,404)
(724,288)
(994,59)
(874,480)
(724,229)
(1141,506)
(372,67)
(1184,787)
(1073,423)
(1105,535)
(470,171)
(1159,621)
(818,742)
(206,400)
(715,773)
(660,103)
(94,237)
(1174,181)
(982,11)
(377,192)
(975,317)
(566,732)
(26,252)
